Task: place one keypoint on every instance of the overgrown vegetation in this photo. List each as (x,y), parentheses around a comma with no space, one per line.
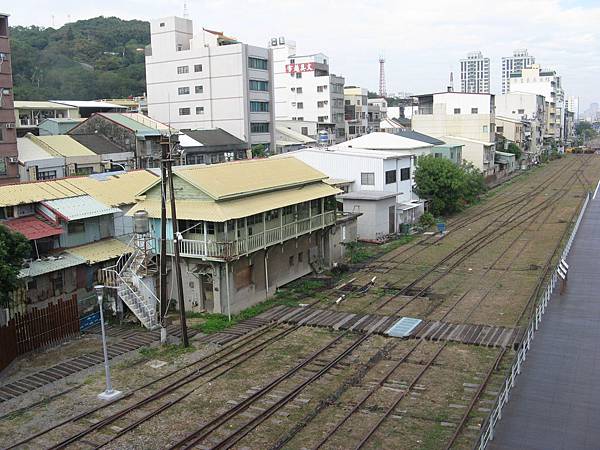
(14,248)
(291,296)
(426,220)
(585,132)
(169,351)
(448,187)
(515,150)
(89,59)
(359,252)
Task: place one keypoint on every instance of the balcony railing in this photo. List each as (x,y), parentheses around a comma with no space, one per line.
(226,250)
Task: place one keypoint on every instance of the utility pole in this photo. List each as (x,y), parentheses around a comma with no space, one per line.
(169,164)
(163,244)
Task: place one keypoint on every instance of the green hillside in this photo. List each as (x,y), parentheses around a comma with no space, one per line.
(83,60)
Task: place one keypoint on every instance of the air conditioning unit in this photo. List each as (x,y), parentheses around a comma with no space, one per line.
(13,159)
(9,125)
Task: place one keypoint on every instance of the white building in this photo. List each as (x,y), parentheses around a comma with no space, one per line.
(475,73)
(209,80)
(572,105)
(305,90)
(356,108)
(460,118)
(531,110)
(548,84)
(520,60)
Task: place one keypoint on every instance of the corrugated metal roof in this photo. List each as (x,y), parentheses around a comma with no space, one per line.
(33,227)
(238,208)
(40,105)
(23,193)
(243,178)
(62,145)
(100,251)
(50,264)
(31,151)
(139,123)
(74,208)
(89,104)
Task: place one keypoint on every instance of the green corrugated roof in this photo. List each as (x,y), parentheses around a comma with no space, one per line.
(138,127)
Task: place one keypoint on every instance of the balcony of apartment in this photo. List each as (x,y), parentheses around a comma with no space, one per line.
(236,238)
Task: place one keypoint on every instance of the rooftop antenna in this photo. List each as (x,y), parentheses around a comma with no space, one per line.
(382,92)
(185,10)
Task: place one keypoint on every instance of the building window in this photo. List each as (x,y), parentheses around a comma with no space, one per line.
(291,261)
(258,63)
(162,24)
(184,111)
(300,118)
(3,166)
(500,129)
(46,175)
(199,89)
(521,111)
(304,131)
(182,69)
(390,176)
(298,74)
(259,127)
(84,170)
(405,174)
(300,105)
(474,110)
(183,90)
(299,90)
(199,109)
(456,110)
(259,85)
(367,179)
(1,134)
(197,67)
(322,104)
(300,257)
(351,129)
(347,102)
(76,226)
(485,128)
(259,106)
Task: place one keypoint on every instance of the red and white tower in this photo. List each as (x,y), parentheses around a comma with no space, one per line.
(382,92)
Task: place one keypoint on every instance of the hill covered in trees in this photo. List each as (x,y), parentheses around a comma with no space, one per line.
(89,59)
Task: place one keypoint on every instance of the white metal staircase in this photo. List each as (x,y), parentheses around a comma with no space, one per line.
(126,277)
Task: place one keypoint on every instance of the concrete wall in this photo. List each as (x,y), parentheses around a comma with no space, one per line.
(96,228)
(339,235)
(374,220)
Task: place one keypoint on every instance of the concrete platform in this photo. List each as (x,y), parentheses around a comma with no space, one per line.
(556,401)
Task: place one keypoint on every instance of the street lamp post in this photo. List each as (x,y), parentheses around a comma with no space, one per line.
(109,393)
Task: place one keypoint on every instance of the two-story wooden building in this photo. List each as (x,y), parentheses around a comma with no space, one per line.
(248,227)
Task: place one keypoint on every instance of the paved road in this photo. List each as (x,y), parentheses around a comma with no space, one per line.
(556,401)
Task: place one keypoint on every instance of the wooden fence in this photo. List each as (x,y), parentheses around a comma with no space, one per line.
(38,328)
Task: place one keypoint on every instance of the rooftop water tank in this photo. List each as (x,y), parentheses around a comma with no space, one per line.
(141,223)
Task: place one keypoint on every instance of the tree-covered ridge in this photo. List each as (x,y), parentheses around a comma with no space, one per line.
(89,59)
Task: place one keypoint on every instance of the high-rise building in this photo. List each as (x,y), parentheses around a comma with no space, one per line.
(512,64)
(209,80)
(475,73)
(9,170)
(572,105)
(306,90)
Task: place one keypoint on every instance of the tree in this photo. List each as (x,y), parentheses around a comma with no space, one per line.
(14,248)
(258,151)
(447,186)
(515,150)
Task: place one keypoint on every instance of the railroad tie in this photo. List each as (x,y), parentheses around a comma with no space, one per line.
(341,322)
(358,322)
(309,317)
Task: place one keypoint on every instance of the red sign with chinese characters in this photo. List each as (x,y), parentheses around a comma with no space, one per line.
(300,67)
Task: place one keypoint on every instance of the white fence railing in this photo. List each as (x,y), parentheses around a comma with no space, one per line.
(488,428)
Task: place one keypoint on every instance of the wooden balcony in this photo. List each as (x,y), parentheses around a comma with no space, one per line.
(214,250)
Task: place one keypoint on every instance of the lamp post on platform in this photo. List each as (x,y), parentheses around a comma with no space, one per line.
(109,394)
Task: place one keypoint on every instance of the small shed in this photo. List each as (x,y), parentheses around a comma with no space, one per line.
(378,209)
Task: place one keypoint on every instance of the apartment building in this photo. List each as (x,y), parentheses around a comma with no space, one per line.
(9,172)
(475,73)
(520,60)
(459,118)
(547,83)
(356,109)
(208,80)
(530,110)
(306,90)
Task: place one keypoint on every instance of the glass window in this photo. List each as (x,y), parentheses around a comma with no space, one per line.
(304,131)
(256,106)
(258,63)
(197,67)
(485,129)
(390,176)
(199,89)
(299,90)
(298,74)
(259,127)
(405,174)
(500,129)
(46,175)
(182,69)
(184,111)
(183,90)
(76,226)
(2,166)
(474,110)
(300,105)
(456,110)
(367,179)
(259,85)
(521,111)
(199,109)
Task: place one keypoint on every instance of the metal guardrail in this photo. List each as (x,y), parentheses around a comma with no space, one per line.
(488,428)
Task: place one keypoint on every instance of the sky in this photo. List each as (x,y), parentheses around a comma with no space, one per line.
(421,41)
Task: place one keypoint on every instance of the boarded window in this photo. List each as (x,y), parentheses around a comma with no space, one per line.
(243,277)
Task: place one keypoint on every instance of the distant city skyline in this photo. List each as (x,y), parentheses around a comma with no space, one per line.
(422,43)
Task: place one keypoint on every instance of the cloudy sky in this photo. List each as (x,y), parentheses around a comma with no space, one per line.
(422,40)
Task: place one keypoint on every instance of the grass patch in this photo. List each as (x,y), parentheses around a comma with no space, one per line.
(361,251)
(169,352)
(290,296)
